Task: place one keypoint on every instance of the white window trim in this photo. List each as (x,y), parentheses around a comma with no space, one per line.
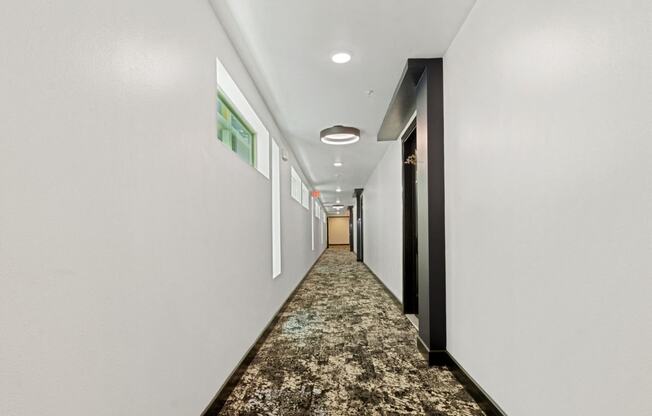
(305,196)
(228,87)
(312,224)
(295,185)
(276,211)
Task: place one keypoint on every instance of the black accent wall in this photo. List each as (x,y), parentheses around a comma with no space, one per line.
(430,206)
(357,194)
(350,209)
(420,89)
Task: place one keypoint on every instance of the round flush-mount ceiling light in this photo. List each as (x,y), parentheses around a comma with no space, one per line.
(337,164)
(341,57)
(340,135)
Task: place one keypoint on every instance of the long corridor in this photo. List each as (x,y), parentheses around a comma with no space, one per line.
(342,346)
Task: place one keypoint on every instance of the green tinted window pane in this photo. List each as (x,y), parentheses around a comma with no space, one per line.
(244,152)
(234,133)
(240,132)
(223,122)
(225,136)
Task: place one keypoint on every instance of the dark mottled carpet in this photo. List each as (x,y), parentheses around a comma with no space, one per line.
(343,347)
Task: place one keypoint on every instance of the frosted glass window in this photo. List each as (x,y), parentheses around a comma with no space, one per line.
(312,226)
(295,186)
(245,133)
(234,131)
(305,196)
(316,211)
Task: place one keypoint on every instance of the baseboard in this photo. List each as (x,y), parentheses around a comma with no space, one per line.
(434,358)
(389,292)
(486,403)
(232,381)
(443,358)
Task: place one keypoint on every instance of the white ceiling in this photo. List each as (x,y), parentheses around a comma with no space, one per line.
(286,46)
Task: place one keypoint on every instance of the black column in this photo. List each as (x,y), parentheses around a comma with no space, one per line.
(357,193)
(430,209)
(350,209)
(420,90)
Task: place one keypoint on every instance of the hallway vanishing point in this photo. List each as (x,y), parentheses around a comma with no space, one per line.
(342,346)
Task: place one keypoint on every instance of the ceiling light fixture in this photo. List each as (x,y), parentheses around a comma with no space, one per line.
(338,190)
(337,164)
(340,135)
(338,207)
(341,57)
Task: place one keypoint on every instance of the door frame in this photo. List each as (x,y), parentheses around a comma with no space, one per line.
(410,243)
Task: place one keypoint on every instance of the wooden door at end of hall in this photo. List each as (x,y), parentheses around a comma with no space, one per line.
(338,231)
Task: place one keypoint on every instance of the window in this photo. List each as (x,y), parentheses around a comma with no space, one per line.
(234,132)
(239,127)
(312,226)
(276,211)
(295,186)
(299,190)
(305,197)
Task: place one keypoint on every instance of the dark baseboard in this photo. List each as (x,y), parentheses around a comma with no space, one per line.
(227,388)
(389,292)
(443,358)
(434,358)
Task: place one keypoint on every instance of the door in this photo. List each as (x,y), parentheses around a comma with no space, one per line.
(338,231)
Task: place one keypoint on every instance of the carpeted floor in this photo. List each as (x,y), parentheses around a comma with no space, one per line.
(343,347)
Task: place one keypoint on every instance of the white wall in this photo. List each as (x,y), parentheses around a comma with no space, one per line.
(135,248)
(549,204)
(383,220)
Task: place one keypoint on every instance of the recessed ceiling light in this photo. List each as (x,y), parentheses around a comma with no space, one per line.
(338,190)
(337,202)
(341,57)
(337,164)
(340,135)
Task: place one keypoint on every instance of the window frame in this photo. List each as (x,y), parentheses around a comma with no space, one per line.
(305,196)
(295,185)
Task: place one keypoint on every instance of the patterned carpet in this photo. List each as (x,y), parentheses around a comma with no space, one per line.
(343,347)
